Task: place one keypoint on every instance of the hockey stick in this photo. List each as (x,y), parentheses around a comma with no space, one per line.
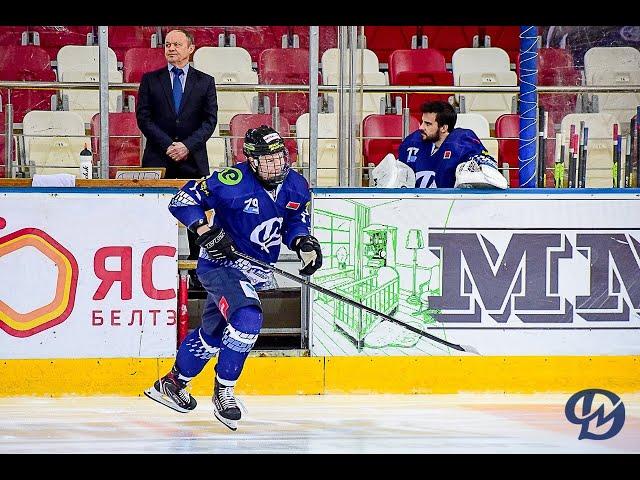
(303,281)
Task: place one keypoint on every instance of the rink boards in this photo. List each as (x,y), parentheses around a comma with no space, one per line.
(544,285)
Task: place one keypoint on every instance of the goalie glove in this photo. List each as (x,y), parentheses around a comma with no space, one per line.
(218,244)
(392,173)
(308,250)
(480,171)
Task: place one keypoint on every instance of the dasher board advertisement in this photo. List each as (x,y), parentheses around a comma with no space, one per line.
(86,274)
(511,273)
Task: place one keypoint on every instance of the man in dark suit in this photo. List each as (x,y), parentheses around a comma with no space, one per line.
(177,112)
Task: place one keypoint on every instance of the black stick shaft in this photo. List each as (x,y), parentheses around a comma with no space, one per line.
(542,147)
(353,303)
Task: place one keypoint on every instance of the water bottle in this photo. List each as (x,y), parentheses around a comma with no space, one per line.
(86,163)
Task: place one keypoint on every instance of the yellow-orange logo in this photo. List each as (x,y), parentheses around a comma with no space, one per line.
(57,311)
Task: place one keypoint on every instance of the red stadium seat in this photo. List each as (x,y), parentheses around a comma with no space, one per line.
(123,151)
(379,126)
(26,63)
(54,38)
(138,61)
(448,39)
(504,37)
(423,66)
(11,35)
(255,39)
(286,66)
(203,36)
(383,40)
(555,67)
(508,126)
(125,37)
(242,122)
(328,37)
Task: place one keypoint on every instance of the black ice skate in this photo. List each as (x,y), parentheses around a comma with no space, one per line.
(171,391)
(226,407)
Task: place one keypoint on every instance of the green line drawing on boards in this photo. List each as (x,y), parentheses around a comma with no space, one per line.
(378,263)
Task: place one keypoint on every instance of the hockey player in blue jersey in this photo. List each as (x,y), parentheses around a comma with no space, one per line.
(446,157)
(258,205)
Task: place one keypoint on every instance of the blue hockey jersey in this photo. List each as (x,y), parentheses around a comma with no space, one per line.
(438,169)
(247,212)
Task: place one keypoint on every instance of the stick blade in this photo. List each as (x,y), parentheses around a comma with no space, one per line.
(470,349)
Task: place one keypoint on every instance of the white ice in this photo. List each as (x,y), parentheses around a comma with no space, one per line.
(466,423)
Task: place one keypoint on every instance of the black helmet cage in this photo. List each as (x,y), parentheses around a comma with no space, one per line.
(260,143)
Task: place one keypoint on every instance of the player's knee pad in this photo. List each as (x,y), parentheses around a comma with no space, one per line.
(242,331)
(202,345)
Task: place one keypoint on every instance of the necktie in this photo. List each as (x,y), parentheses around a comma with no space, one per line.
(177,87)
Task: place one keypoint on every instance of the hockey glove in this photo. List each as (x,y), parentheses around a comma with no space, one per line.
(308,250)
(218,244)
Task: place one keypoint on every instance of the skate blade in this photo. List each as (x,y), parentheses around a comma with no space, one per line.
(230,424)
(153,394)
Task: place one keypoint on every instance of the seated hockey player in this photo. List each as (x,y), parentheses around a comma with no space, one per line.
(437,151)
(258,205)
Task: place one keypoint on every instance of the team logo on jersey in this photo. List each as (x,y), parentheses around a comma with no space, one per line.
(267,234)
(202,186)
(223,306)
(447,154)
(251,206)
(412,154)
(426,179)
(293,205)
(248,289)
(230,176)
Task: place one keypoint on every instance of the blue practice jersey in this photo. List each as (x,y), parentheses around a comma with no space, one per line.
(247,212)
(439,169)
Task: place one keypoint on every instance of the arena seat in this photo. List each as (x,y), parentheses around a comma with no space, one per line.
(26,63)
(448,39)
(506,37)
(242,122)
(286,66)
(384,40)
(217,148)
(82,59)
(228,65)
(255,39)
(12,34)
(555,67)
(368,74)
(327,166)
(53,141)
(87,102)
(484,67)
(125,37)
(138,61)
(599,148)
(480,126)
(53,38)
(382,135)
(124,140)
(422,66)
(618,66)
(328,37)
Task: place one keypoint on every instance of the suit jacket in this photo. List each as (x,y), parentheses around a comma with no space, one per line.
(192,125)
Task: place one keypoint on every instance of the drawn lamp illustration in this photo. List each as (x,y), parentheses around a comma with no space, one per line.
(342,256)
(414,242)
